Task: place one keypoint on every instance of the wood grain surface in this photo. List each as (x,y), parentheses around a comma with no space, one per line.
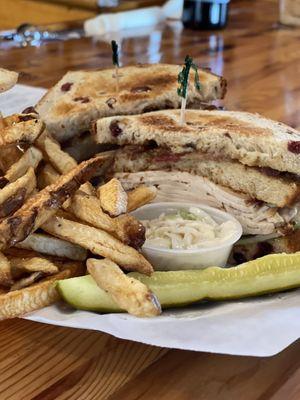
(261,60)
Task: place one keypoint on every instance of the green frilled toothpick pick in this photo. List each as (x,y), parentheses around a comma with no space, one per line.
(183,80)
(115,60)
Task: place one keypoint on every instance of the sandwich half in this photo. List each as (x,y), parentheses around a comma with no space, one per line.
(81,97)
(239,162)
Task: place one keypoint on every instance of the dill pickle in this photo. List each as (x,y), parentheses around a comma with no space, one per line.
(272,273)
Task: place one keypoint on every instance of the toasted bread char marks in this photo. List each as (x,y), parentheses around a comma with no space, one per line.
(83,96)
(44,204)
(249,138)
(253,181)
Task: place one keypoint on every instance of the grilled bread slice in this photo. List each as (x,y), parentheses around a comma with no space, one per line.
(263,184)
(83,96)
(249,138)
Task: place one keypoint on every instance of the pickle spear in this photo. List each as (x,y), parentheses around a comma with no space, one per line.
(272,273)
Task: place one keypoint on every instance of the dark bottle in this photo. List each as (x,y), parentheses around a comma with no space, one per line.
(205,14)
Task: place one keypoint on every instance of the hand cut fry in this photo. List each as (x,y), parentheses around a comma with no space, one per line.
(53,246)
(140,196)
(125,228)
(20,130)
(9,155)
(13,195)
(5,271)
(31,158)
(98,242)
(33,264)
(129,293)
(113,198)
(39,295)
(47,176)
(27,281)
(8,79)
(53,153)
(86,206)
(44,204)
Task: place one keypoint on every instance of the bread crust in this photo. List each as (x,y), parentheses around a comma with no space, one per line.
(249,138)
(83,96)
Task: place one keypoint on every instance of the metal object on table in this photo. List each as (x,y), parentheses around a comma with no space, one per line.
(33,35)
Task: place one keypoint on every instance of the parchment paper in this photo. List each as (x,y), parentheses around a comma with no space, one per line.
(257,327)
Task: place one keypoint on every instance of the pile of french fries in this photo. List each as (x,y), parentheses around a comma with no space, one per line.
(52,220)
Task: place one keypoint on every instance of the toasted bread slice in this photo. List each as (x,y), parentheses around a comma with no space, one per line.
(44,204)
(8,79)
(262,184)
(83,96)
(248,138)
(113,198)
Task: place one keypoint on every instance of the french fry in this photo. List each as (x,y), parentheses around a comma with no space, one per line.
(27,281)
(140,196)
(5,271)
(31,158)
(8,79)
(44,204)
(98,242)
(47,176)
(9,155)
(125,228)
(53,153)
(113,198)
(13,195)
(129,293)
(33,264)
(18,129)
(86,206)
(39,295)
(53,246)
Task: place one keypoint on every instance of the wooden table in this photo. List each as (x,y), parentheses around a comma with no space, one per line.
(261,61)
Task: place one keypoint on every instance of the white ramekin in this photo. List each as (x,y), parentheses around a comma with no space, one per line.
(173,260)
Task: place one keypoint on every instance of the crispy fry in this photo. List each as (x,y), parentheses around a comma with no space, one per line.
(140,196)
(44,204)
(12,196)
(53,246)
(5,271)
(27,281)
(98,242)
(86,206)
(31,158)
(129,293)
(125,228)
(9,155)
(33,264)
(17,130)
(53,153)
(8,79)
(113,198)
(39,295)
(47,176)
